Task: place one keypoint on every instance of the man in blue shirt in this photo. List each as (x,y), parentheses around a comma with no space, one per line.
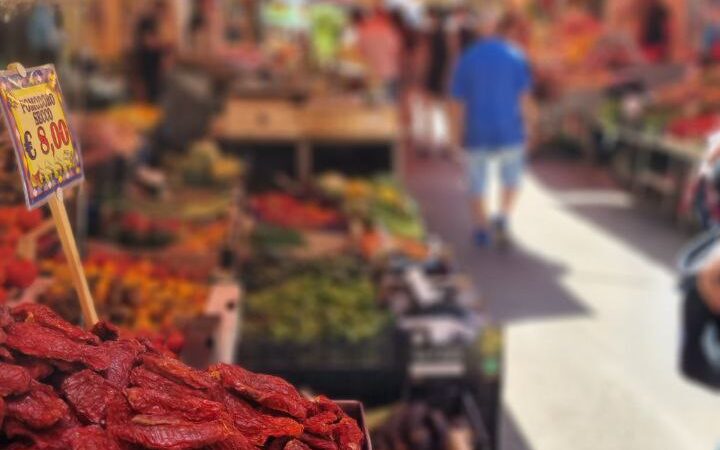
(490,88)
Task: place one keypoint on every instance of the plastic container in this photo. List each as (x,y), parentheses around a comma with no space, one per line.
(354,409)
(372,370)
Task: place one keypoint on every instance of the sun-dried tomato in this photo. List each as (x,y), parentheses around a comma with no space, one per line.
(89,394)
(160,404)
(257,425)
(318,442)
(141,377)
(5,316)
(348,435)
(6,355)
(163,432)
(50,439)
(322,404)
(321,424)
(123,355)
(13,380)
(39,408)
(295,445)
(35,312)
(38,370)
(155,402)
(269,391)
(235,442)
(35,340)
(89,438)
(177,371)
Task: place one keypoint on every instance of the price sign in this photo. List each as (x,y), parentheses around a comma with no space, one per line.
(47,153)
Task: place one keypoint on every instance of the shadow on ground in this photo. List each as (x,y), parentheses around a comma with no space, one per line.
(516,285)
(636,224)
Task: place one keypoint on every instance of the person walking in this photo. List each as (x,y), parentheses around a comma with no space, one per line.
(380,46)
(490,97)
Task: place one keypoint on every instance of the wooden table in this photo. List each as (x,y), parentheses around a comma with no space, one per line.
(304,127)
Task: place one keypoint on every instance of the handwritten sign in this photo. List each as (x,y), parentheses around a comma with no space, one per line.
(47,153)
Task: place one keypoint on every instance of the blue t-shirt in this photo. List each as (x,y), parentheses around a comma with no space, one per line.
(489,80)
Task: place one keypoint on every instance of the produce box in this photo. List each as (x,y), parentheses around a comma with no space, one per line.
(372,370)
(355,410)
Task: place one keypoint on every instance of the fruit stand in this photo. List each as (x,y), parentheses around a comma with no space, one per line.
(656,138)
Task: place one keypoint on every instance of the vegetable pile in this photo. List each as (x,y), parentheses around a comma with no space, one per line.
(15,272)
(380,201)
(315,301)
(64,388)
(286,211)
(137,229)
(135,294)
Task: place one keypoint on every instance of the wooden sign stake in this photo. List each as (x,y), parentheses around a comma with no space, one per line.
(67,239)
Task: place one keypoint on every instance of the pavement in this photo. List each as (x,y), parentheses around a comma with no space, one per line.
(589,302)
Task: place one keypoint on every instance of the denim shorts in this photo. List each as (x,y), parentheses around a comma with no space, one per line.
(511,161)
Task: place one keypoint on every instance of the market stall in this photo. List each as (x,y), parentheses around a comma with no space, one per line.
(326,127)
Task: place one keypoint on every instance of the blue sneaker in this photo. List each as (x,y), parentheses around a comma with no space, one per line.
(502,233)
(482,238)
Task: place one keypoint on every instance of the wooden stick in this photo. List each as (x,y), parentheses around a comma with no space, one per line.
(59,214)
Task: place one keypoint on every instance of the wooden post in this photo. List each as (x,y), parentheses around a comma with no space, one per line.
(67,239)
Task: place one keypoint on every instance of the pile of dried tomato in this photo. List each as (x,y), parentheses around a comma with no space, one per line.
(65,388)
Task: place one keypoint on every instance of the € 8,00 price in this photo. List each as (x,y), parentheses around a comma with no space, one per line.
(44,135)
(59,137)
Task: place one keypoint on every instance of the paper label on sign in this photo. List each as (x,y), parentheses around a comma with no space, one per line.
(47,152)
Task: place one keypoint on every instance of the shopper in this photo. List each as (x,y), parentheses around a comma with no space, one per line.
(45,33)
(490,89)
(655,31)
(465,29)
(431,127)
(438,55)
(151,49)
(381,48)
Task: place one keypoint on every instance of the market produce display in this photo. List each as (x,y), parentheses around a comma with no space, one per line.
(205,165)
(15,272)
(142,117)
(379,201)
(64,388)
(284,210)
(374,244)
(314,301)
(137,229)
(133,293)
(267,237)
(694,127)
(16,221)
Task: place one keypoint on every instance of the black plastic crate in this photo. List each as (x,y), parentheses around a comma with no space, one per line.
(372,370)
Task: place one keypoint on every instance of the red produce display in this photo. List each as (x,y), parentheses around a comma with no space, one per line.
(286,211)
(697,127)
(64,388)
